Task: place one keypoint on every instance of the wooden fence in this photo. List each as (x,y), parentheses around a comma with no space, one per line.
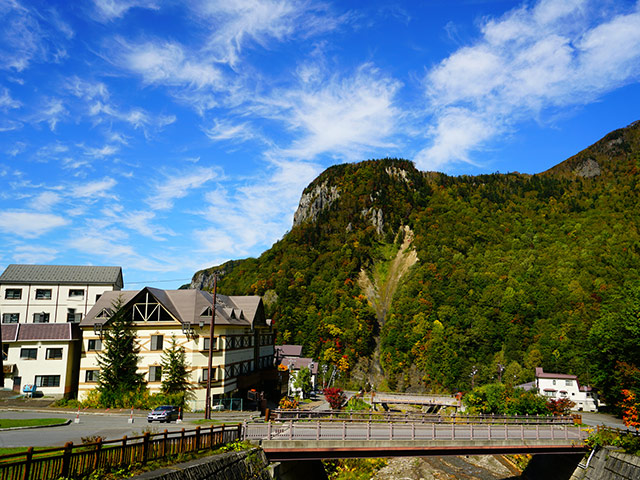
(411,417)
(78,461)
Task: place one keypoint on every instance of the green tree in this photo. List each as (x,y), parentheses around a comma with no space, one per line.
(119,383)
(303,381)
(175,373)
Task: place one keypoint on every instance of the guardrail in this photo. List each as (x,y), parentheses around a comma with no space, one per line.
(371,416)
(77,461)
(562,433)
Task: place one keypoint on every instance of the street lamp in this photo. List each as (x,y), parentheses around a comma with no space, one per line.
(474,371)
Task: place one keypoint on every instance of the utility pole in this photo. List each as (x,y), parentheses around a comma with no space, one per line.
(207,407)
(1,358)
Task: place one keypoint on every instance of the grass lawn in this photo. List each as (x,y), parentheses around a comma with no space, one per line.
(29,422)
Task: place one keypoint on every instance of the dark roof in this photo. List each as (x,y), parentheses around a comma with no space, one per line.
(62,274)
(289,350)
(24,332)
(187,306)
(297,363)
(562,376)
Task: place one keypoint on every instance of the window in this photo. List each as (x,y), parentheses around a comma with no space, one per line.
(43,294)
(568,383)
(205,343)
(78,294)
(98,295)
(41,317)
(47,380)
(28,353)
(155,374)
(72,316)
(10,317)
(156,342)
(554,382)
(91,376)
(94,344)
(53,354)
(205,374)
(13,293)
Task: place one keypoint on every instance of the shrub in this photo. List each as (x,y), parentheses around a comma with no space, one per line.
(562,406)
(335,396)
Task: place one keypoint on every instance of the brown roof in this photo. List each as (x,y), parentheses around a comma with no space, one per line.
(289,350)
(188,306)
(297,363)
(24,332)
(562,376)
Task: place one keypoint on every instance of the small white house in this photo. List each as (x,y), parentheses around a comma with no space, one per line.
(290,356)
(560,385)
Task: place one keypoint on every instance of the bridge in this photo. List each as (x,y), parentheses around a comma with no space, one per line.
(322,439)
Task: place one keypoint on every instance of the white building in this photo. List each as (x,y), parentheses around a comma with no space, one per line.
(559,385)
(242,344)
(290,356)
(53,293)
(40,307)
(42,355)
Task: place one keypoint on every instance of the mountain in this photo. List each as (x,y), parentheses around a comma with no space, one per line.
(417,280)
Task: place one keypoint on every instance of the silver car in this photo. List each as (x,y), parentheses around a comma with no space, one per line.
(164,413)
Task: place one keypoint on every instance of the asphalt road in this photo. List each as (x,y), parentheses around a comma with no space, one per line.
(108,426)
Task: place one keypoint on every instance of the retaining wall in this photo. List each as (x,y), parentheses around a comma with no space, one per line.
(607,464)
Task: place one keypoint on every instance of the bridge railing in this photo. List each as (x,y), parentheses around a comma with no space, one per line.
(413,417)
(78,461)
(318,430)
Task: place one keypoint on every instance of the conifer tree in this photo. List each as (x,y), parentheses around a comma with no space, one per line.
(175,372)
(119,381)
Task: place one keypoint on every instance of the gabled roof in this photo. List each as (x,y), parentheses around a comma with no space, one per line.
(23,332)
(297,363)
(186,306)
(289,350)
(62,274)
(558,376)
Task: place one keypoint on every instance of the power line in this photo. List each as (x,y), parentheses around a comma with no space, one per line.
(158,281)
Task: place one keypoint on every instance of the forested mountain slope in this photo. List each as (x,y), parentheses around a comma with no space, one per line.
(504,269)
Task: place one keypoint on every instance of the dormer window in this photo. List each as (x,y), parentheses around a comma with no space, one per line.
(206,312)
(105,313)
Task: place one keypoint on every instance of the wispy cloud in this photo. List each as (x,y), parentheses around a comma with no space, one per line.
(94,190)
(51,113)
(226,130)
(109,10)
(175,186)
(34,254)
(346,116)
(525,63)
(45,201)
(6,102)
(27,36)
(266,203)
(30,224)
(101,152)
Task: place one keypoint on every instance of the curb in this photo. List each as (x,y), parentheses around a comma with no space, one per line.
(35,426)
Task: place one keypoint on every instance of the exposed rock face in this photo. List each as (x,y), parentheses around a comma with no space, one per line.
(588,168)
(375,217)
(202,281)
(314,202)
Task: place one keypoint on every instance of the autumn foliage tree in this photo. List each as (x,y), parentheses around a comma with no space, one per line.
(630,409)
(561,406)
(335,397)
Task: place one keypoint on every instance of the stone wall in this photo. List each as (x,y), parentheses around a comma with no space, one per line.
(607,464)
(246,465)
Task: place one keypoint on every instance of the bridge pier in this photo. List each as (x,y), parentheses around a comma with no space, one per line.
(299,469)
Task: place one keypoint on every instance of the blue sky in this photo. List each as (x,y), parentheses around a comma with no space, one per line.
(167,136)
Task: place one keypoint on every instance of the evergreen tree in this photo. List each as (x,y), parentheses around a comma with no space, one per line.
(303,381)
(119,381)
(175,373)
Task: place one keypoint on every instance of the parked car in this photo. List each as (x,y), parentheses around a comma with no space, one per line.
(164,413)
(218,407)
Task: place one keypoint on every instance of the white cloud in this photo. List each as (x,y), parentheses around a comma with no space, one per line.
(346,117)
(138,221)
(87,90)
(136,117)
(177,186)
(94,190)
(530,61)
(109,10)
(245,22)
(45,201)
(226,130)
(30,224)
(105,151)
(30,36)
(254,213)
(52,112)
(33,254)
(6,102)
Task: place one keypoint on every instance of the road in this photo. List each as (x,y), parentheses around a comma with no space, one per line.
(107,426)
